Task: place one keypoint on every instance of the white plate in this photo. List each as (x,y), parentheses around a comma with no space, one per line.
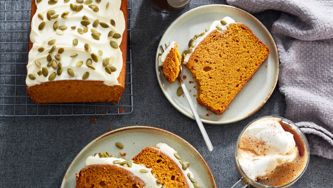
(253,96)
(135,138)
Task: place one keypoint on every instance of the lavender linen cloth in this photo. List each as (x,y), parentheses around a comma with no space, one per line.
(304,36)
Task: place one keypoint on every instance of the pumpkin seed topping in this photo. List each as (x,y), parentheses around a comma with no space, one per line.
(51,42)
(116,36)
(113,22)
(180,91)
(88,2)
(64,14)
(61,50)
(45,72)
(54,64)
(38,1)
(106,62)
(85,76)
(103,154)
(32,77)
(98,1)
(143,171)
(39,73)
(111,33)
(55,25)
(76,8)
(57,57)
(70,72)
(119,145)
(85,22)
(75,42)
(41,26)
(49,58)
(38,64)
(94,57)
(89,64)
(95,23)
(79,63)
(59,70)
(52,2)
(52,76)
(40,16)
(177,156)
(107,5)
(74,54)
(114,44)
(73,27)
(185,164)
(104,25)
(41,49)
(223,22)
(94,8)
(108,70)
(66,1)
(52,49)
(62,27)
(95,36)
(79,1)
(87,47)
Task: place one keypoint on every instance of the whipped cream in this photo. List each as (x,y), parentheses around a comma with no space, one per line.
(170,152)
(148,178)
(108,9)
(264,146)
(216,25)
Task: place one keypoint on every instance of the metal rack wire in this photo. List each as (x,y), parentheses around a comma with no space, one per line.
(14,37)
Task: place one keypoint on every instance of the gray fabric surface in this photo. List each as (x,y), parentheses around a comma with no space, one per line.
(35,152)
(304,36)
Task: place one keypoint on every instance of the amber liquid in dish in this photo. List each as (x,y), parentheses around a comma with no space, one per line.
(167,5)
(288,172)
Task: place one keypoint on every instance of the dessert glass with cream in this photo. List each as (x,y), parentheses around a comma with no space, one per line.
(271,152)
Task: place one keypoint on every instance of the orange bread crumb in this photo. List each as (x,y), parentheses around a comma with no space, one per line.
(165,169)
(223,63)
(171,65)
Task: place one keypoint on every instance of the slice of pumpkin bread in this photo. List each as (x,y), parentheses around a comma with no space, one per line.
(223,62)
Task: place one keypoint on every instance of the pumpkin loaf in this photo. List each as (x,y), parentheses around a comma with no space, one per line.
(167,166)
(116,173)
(77,51)
(223,60)
(171,61)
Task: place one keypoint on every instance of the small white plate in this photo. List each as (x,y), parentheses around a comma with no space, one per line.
(257,91)
(135,138)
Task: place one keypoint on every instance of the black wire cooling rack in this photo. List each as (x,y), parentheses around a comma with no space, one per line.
(14,37)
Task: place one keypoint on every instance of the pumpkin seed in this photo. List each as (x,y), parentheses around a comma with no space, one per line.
(180,91)
(177,156)
(116,161)
(41,49)
(85,29)
(223,22)
(57,57)
(191,43)
(106,62)
(103,154)
(45,72)
(95,36)
(113,22)
(74,55)
(191,178)
(32,77)
(111,33)
(107,5)
(116,36)
(54,64)
(55,25)
(76,8)
(98,1)
(104,25)
(85,76)
(41,26)
(79,63)
(52,2)
(73,27)
(40,16)
(52,49)
(185,164)
(66,1)
(84,17)
(85,22)
(64,14)
(75,42)
(119,145)
(79,1)
(38,64)
(87,2)
(113,69)
(62,27)
(114,44)
(108,70)
(89,64)
(94,57)
(38,1)
(95,23)
(143,171)
(87,47)
(49,58)
(70,72)
(61,50)
(50,14)
(59,70)
(39,73)
(52,76)
(94,8)
(51,42)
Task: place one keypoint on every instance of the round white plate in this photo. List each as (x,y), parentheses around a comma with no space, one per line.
(257,91)
(135,138)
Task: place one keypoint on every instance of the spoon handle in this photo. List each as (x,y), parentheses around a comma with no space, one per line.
(197,118)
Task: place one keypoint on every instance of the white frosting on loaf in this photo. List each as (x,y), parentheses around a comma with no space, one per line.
(170,152)
(137,170)
(63,39)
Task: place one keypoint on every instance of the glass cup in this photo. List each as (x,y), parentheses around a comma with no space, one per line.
(169,5)
(288,125)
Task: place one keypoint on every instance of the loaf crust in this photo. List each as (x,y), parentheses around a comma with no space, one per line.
(79,91)
(107,176)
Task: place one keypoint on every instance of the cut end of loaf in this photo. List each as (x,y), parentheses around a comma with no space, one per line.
(223,63)
(171,65)
(165,169)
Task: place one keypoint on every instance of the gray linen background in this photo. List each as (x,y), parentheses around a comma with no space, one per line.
(304,36)
(35,152)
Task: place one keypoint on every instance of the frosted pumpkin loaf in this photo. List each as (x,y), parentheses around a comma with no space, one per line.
(77,51)
(222,60)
